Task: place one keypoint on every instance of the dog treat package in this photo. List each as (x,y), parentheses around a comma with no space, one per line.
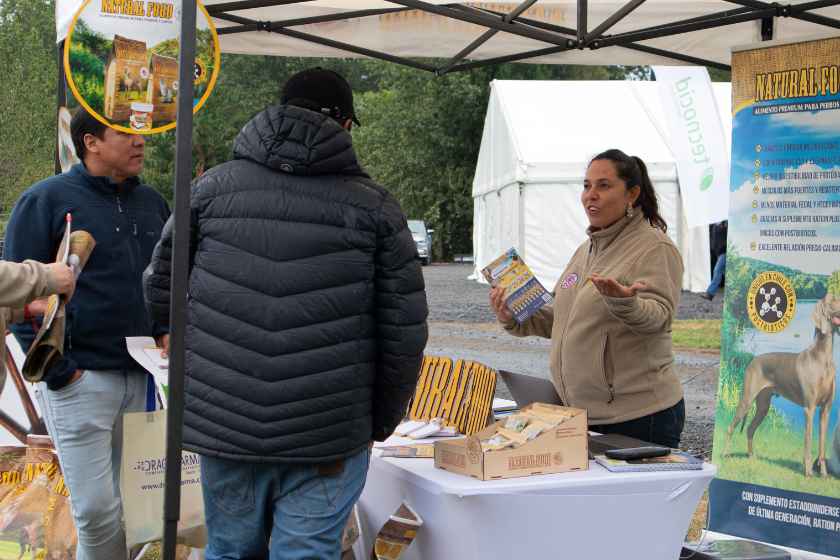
(163,88)
(35,520)
(517,429)
(126,77)
(539,439)
(397,534)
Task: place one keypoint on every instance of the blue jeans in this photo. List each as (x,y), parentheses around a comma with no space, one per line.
(279,511)
(717,275)
(84,420)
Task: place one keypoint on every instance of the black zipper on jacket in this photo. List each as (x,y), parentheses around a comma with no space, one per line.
(134,245)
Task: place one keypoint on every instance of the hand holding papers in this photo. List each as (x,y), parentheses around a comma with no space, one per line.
(146,353)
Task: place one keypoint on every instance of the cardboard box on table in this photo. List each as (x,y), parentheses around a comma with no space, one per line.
(561,449)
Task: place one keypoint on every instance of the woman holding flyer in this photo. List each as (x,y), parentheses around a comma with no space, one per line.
(610,322)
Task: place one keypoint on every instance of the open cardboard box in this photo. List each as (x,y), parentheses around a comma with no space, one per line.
(561,449)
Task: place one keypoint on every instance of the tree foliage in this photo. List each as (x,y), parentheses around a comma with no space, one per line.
(27,96)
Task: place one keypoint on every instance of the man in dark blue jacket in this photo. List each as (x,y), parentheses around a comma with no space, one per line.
(84,395)
(306,326)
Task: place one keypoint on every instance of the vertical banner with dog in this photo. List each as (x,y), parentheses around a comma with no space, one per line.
(777,441)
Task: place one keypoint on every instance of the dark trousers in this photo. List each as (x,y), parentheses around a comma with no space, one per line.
(662,428)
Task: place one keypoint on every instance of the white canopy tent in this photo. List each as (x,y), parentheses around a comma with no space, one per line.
(544,31)
(538,139)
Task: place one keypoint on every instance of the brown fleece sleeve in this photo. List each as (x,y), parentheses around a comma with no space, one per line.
(20,283)
(652,310)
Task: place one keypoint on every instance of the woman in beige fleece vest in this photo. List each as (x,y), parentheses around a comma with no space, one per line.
(610,323)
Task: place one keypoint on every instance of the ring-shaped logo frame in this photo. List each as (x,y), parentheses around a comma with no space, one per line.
(154,130)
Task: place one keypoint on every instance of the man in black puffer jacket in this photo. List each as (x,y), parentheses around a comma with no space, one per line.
(306,326)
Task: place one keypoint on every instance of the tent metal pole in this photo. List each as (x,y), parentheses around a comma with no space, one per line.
(623,12)
(677,56)
(632,46)
(486,36)
(558,29)
(214,9)
(521,20)
(483,20)
(512,57)
(645,34)
(767,29)
(582,12)
(818,19)
(815,5)
(554,50)
(357,50)
(755,4)
(266,26)
(307,20)
(796,11)
(180,276)
(61,100)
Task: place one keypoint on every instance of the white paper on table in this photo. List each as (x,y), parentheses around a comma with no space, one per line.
(146,353)
(503,404)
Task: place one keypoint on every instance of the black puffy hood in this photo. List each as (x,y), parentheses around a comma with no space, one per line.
(297,141)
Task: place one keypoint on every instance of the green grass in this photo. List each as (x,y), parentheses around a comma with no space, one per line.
(701,334)
(10,550)
(777,460)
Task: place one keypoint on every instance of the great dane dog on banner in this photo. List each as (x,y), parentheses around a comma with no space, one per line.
(806,378)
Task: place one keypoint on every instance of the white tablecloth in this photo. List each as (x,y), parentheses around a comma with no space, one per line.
(589,515)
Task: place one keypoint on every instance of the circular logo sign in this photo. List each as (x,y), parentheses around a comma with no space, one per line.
(771,302)
(121,62)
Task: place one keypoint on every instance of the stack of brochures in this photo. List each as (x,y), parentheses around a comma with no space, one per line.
(415,451)
(503,407)
(675,461)
(419,429)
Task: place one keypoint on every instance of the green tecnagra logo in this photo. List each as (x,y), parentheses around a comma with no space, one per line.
(707,179)
(687,109)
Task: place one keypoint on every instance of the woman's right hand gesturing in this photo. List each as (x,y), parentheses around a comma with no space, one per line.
(497,303)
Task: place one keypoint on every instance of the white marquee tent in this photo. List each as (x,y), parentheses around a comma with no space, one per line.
(552,31)
(539,137)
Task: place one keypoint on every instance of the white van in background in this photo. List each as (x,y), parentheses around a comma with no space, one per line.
(422,239)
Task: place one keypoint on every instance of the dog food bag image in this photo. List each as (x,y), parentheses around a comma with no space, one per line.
(163,88)
(35,519)
(126,77)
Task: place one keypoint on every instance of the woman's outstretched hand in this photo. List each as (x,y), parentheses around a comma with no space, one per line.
(497,303)
(609,287)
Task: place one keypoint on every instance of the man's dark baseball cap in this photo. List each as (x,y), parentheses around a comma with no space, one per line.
(320,90)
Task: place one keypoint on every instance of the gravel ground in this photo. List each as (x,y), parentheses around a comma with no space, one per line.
(462,326)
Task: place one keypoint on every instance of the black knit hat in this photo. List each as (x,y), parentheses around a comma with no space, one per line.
(320,90)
